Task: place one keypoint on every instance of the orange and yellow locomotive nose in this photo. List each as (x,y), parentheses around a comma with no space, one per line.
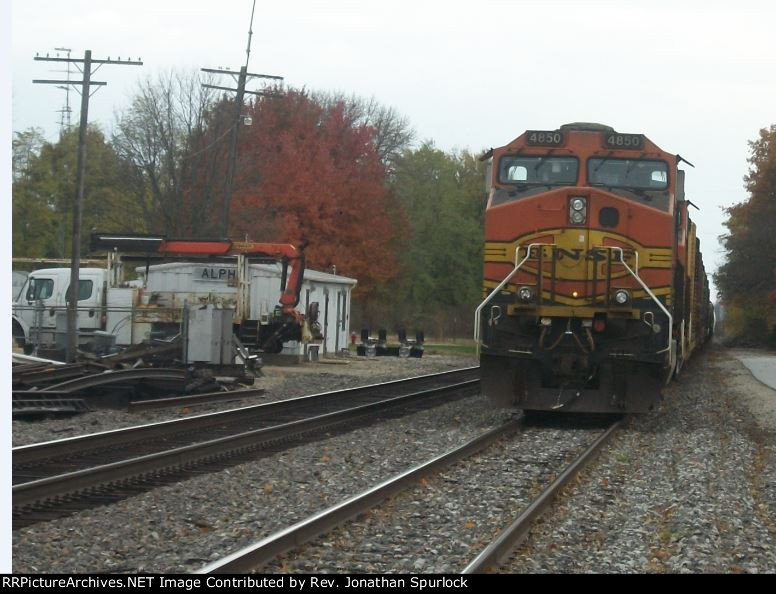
(577,266)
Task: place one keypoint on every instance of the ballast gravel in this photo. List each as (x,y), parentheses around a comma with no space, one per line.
(180,527)
(690,488)
(439,525)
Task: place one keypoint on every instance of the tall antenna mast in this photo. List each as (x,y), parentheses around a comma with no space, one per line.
(66,111)
(250,36)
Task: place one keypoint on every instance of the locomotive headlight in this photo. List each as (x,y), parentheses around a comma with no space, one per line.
(577,210)
(621,297)
(525,294)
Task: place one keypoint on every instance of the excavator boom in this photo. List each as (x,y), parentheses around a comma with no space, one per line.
(281,252)
(289,326)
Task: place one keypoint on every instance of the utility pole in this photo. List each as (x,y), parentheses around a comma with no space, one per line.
(86,84)
(242,78)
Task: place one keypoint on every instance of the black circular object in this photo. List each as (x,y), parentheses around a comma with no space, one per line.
(609,217)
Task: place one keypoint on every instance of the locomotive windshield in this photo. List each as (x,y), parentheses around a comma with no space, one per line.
(541,171)
(631,178)
(628,173)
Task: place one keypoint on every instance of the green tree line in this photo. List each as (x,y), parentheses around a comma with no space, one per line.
(747,278)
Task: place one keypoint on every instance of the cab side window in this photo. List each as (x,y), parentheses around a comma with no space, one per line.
(40,288)
(84,290)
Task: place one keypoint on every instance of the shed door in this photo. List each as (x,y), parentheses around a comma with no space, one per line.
(326,322)
(338,324)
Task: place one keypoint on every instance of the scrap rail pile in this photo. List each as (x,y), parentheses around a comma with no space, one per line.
(145,373)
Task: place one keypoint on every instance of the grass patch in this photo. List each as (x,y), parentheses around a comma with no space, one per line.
(468,350)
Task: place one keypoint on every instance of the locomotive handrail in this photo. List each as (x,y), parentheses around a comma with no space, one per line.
(494,292)
(497,290)
(614,247)
(651,294)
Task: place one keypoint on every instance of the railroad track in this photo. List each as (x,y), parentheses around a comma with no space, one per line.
(493,555)
(60,477)
(263,555)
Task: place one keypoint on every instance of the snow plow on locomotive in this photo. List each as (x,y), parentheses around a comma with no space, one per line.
(594,287)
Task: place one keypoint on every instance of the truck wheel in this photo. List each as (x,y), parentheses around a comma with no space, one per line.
(275,347)
(19,338)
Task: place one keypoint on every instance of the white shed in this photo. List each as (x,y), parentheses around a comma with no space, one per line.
(332,293)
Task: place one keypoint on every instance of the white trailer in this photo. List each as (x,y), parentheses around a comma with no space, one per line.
(156,305)
(174,284)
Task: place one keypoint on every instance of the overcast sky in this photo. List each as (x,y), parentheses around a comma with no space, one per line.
(697,77)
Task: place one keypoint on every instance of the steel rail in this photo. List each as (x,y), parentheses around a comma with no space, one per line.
(49,374)
(109,377)
(42,405)
(37,394)
(193,399)
(256,555)
(511,537)
(19,359)
(25,495)
(35,453)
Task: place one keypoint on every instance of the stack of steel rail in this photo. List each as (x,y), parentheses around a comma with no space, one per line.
(33,386)
(53,388)
(44,387)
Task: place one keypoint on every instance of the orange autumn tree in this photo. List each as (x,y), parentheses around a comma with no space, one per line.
(308,175)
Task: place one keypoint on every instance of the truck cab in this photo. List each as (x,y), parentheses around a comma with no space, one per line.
(40,309)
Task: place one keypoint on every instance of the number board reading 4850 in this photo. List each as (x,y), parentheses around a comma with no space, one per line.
(624,141)
(544,138)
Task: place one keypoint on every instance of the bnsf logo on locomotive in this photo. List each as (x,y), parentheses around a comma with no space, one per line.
(592,255)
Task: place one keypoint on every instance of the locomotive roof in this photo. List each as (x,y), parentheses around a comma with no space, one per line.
(587,127)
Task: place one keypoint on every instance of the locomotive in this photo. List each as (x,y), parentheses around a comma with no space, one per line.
(594,289)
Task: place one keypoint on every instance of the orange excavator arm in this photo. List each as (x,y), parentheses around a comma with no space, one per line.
(281,252)
(291,326)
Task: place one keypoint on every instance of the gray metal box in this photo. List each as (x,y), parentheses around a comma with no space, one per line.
(209,332)
(104,342)
(60,332)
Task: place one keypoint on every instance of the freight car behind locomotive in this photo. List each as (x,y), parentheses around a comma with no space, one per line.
(594,289)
